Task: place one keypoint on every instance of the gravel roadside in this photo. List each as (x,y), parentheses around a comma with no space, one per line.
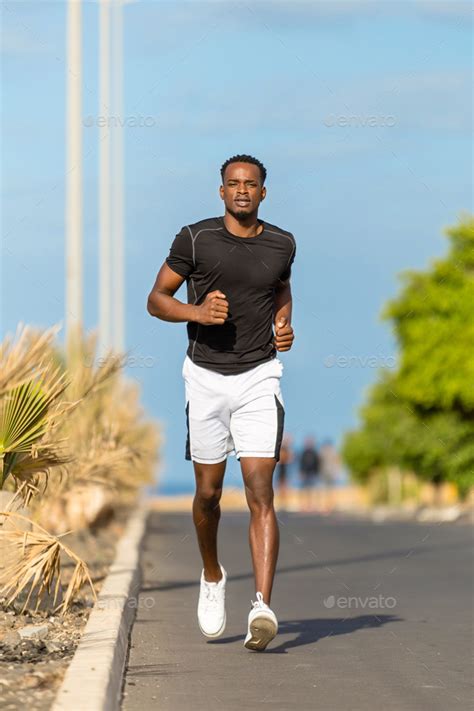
(36,648)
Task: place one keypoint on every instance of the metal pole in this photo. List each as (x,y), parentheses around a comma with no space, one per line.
(73,207)
(104,180)
(117,185)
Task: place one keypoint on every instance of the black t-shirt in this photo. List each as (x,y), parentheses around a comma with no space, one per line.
(246,270)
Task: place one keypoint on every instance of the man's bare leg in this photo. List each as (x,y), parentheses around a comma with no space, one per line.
(206,515)
(264,537)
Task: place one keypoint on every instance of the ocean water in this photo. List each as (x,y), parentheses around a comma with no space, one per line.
(171,488)
(187,486)
(181,488)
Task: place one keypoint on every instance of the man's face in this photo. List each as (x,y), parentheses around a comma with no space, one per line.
(242,191)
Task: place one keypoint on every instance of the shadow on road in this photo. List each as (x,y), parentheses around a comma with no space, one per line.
(312,630)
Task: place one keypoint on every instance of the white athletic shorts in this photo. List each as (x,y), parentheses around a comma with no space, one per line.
(239,414)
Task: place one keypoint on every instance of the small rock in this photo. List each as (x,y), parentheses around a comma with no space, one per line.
(53,646)
(10,639)
(7,621)
(34,632)
(30,681)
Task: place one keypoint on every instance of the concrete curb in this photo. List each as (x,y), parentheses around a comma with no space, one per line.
(93,681)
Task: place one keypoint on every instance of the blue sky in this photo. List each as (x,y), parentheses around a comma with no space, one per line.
(362,115)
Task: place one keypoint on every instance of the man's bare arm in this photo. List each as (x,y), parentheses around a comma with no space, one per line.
(162,304)
(283,302)
(282,307)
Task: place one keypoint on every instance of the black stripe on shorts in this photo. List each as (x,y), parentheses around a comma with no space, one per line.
(188,442)
(280,422)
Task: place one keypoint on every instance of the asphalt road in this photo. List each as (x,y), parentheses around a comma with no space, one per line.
(371,616)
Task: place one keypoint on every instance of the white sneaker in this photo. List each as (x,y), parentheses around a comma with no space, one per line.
(263,625)
(211,606)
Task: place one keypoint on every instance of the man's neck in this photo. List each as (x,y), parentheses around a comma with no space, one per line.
(246,227)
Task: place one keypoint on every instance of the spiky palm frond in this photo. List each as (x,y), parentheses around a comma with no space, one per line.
(25,417)
(43,458)
(37,567)
(24,355)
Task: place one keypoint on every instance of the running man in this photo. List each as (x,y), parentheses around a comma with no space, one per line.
(238,312)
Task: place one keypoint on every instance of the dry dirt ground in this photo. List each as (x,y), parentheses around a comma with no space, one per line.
(36,648)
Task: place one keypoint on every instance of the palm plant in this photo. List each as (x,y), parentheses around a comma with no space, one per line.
(32,387)
(31,405)
(67,422)
(113,445)
(25,415)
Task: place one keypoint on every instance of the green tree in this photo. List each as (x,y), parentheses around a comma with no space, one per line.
(421,417)
(434,325)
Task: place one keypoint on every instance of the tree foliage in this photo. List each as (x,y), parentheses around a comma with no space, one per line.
(421,416)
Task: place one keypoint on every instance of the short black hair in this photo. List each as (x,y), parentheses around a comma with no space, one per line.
(243,158)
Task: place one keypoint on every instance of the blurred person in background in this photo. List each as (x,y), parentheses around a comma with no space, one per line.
(330,469)
(286,457)
(309,466)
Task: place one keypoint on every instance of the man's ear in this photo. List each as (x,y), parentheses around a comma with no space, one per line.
(221,192)
(263,193)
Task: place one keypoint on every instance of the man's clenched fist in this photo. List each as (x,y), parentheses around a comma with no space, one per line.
(284,335)
(214,309)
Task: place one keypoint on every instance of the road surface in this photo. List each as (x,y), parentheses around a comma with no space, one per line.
(371,616)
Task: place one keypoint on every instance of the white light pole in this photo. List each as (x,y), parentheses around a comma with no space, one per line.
(105,305)
(73,217)
(118,256)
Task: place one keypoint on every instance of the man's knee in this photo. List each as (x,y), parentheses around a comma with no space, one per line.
(208,496)
(259,499)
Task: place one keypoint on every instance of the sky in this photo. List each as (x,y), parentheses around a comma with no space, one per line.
(362,115)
